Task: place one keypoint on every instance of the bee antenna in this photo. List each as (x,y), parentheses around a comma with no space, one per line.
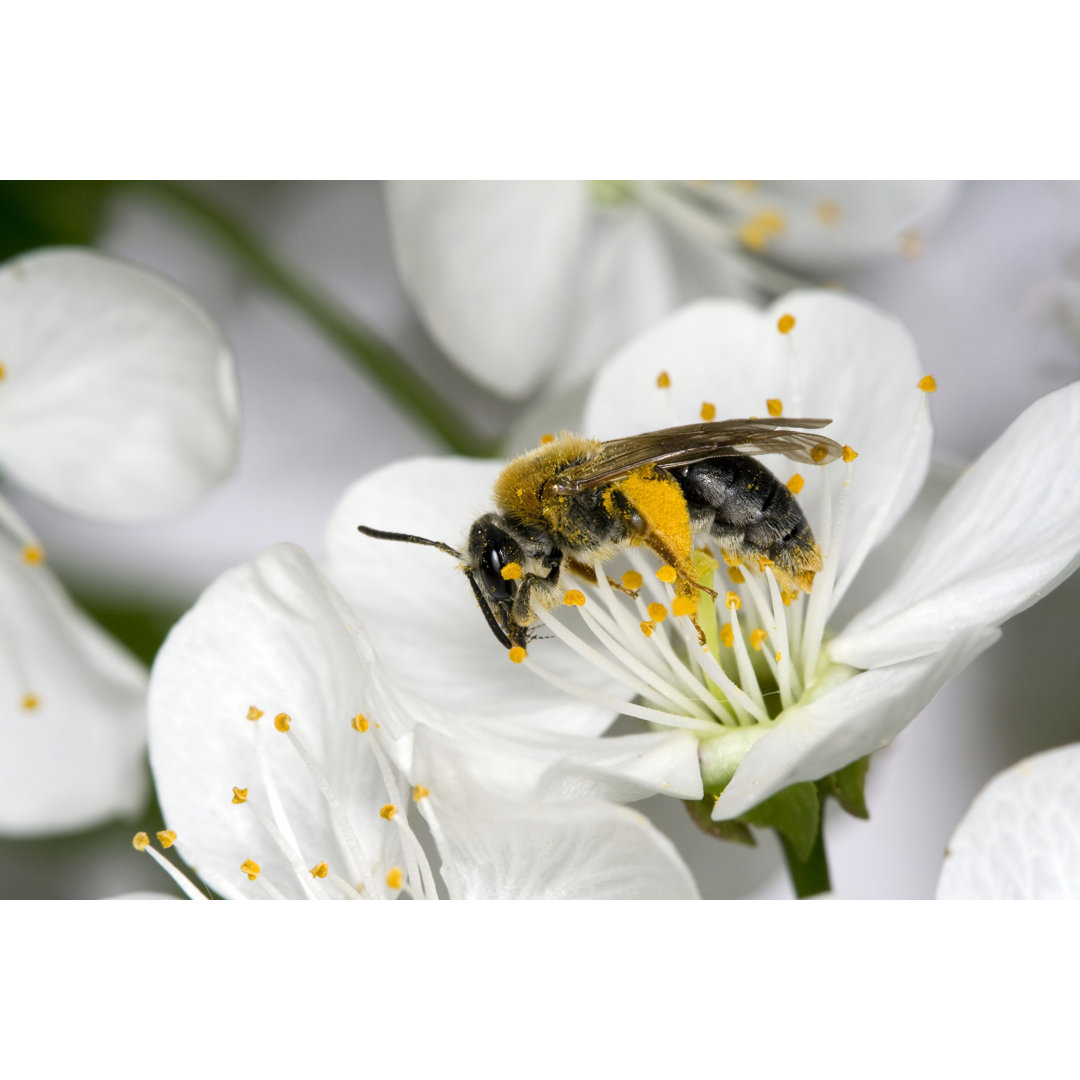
(406,538)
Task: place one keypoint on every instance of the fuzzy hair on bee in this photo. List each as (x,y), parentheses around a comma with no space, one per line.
(574,502)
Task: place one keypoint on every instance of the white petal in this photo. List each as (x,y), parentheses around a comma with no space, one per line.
(1005,535)
(77,758)
(856,718)
(491,268)
(522,849)
(269,635)
(1021,838)
(843,360)
(118,399)
(420,610)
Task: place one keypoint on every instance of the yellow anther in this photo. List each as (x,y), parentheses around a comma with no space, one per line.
(757,636)
(395,878)
(251,868)
(511,571)
(319,870)
(785,324)
(667,574)
(517,654)
(546,438)
(848,454)
(419,792)
(727,635)
(729,559)
(795,484)
(684,605)
(657,612)
(663,380)
(771,220)
(282,721)
(3,371)
(574,598)
(140,841)
(733,601)
(819,454)
(745,187)
(736,575)
(928,384)
(29,702)
(763,563)
(166,838)
(828,213)
(753,235)
(254,714)
(787,595)
(774,405)
(912,243)
(359,723)
(708,410)
(239,794)
(647,628)
(778,657)
(33,554)
(631,580)
(388,811)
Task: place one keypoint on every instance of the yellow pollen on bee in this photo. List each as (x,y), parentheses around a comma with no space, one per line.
(359,723)
(254,714)
(282,721)
(239,795)
(388,811)
(419,792)
(517,654)
(29,702)
(828,213)
(511,571)
(251,868)
(140,841)
(729,559)
(667,574)
(395,878)
(647,628)
(663,380)
(763,563)
(631,580)
(774,405)
(928,384)
(727,635)
(785,324)
(33,554)
(848,454)
(684,605)
(166,838)
(733,601)
(574,598)
(819,454)
(708,410)
(546,438)
(736,575)
(657,612)
(912,243)
(320,869)
(757,637)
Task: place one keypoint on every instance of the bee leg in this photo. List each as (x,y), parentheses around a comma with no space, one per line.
(583,570)
(532,588)
(700,633)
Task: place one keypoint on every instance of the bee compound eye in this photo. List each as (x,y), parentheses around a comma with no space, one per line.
(491,564)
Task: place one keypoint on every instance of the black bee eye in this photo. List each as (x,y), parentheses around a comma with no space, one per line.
(491,564)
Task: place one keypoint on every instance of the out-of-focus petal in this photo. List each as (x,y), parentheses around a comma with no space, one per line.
(118,397)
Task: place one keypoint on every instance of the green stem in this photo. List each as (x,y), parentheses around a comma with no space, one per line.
(809,878)
(358,342)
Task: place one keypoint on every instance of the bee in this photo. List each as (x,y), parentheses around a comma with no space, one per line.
(575,501)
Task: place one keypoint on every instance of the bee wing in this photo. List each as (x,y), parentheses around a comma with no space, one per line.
(672,447)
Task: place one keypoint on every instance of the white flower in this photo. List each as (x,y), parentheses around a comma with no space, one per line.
(117,401)
(1020,840)
(529,284)
(797,694)
(288,765)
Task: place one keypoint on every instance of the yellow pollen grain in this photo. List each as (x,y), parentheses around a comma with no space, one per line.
(282,721)
(319,870)
(419,792)
(729,559)
(647,628)
(684,605)
(663,380)
(736,575)
(912,243)
(774,405)
(757,636)
(546,438)
(395,878)
(251,868)
(733,601)
(848,454)
(359,723)
(511,571)
(574,598)
(708,410)
(667,574)
(778,656)
(388,811)
(632,580)
(516,654)
(727,635)
(763,563)
(828,213)
(33,554)
(140,841)
(29,702)
(819,454)
(785,324)
(166,838)
(254,714)
(928,384)
(239,795)
(657,612)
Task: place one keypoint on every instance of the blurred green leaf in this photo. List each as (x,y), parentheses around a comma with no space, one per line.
(36,213)
(141,629)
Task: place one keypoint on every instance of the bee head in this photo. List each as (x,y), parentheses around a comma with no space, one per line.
(493,565)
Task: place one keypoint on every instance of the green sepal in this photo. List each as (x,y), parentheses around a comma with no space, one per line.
(700,811)
(795,813)
(847,787)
